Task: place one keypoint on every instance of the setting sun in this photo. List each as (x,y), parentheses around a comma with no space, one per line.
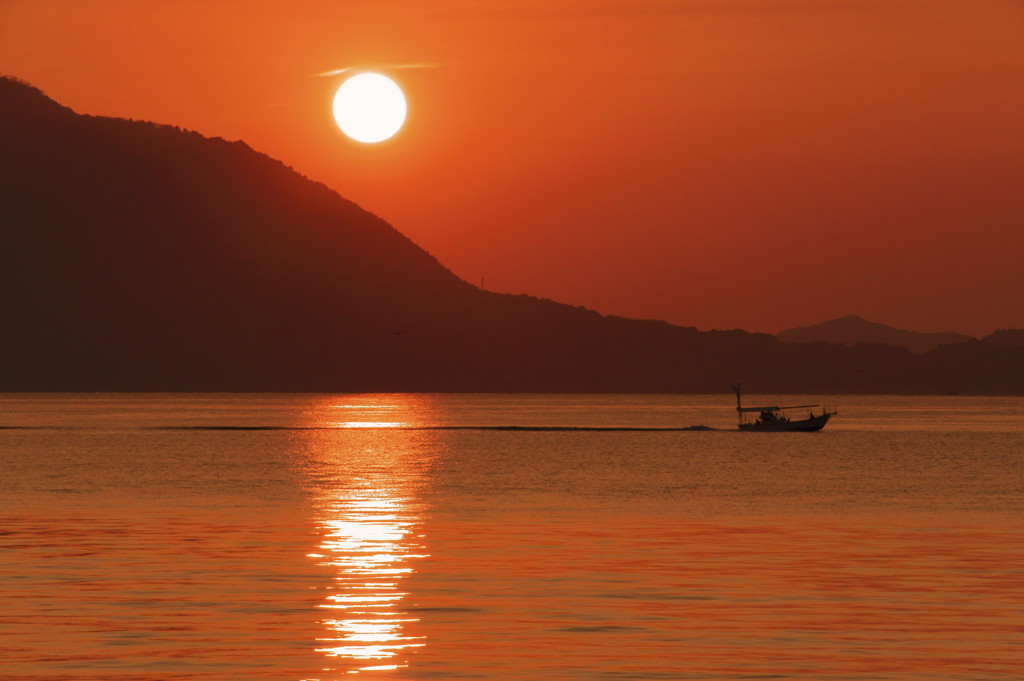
(369,107)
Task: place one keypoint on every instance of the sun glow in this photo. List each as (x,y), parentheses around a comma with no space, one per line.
(369,108)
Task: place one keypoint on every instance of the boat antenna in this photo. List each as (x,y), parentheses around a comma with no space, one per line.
(736,389)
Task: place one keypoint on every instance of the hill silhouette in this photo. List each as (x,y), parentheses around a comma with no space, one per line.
(1006,337)
(137,256)
(852,329)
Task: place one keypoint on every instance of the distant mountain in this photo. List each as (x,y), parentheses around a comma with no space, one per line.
(851,330)
(136,256)
(1013,338)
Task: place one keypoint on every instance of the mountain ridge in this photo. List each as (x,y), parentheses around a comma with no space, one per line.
(853,329)
(137,256)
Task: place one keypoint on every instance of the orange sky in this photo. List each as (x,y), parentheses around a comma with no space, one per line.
(758,164)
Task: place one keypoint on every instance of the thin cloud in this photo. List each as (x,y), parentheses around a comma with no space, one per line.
(385,67)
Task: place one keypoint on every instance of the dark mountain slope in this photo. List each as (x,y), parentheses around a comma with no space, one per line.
(133,249)
(136,256)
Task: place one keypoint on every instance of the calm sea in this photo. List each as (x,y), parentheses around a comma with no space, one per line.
(406,537)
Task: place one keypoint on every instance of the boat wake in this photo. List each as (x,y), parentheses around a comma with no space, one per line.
(542,429)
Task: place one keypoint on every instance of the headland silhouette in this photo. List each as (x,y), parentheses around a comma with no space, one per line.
(144,257)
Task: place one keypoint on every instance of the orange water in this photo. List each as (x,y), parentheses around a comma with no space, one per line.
(328,537)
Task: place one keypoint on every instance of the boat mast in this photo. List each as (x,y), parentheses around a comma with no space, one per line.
(739,410)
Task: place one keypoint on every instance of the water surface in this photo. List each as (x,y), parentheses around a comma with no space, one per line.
(318,537)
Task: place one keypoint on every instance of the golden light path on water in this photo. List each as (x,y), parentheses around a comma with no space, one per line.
(370,518)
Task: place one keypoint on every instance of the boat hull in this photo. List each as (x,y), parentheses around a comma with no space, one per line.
(803,425)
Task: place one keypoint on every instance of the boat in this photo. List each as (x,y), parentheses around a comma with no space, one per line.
(774,418)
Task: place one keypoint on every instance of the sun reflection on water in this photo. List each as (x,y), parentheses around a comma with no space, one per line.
(370,521)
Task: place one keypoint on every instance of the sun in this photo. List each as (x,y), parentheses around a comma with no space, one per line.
(369,108)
